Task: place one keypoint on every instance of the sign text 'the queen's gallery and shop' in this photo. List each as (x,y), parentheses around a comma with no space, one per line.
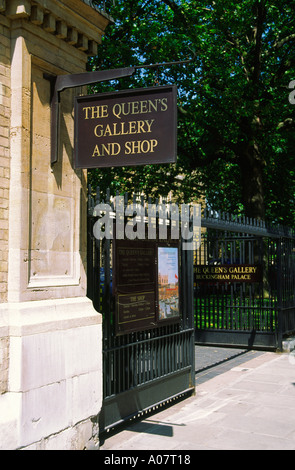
(127,128)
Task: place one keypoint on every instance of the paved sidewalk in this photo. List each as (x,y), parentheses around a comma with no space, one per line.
(247,404)
(211,361)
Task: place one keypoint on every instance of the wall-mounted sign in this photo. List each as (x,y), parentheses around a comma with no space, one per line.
(127,128)
(227,273)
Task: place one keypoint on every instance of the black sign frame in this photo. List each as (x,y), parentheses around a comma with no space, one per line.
(137,299)
(126,128)
(132,290)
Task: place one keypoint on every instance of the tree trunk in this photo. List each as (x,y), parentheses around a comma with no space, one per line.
(251,166)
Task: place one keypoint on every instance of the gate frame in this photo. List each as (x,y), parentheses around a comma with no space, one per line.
(285,313)
(175,374)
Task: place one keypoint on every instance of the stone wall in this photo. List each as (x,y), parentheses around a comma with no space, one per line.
(4,361)
(4,150)
(50,334)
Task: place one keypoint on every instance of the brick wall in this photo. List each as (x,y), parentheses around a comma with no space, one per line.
(4,151)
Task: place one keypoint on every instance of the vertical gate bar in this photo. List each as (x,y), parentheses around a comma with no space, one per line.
(181,351)
(214,308)
(175,353)
(269,301)
(147,358)
(262,312)
(189,272)
(144,358)
(122,366)
(162,367)
(152,352)
(279,295)
(89,247)
(140,359)
(169,355)
(221,294)
(165,350)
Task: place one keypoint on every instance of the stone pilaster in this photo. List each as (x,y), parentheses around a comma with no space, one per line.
(45,317)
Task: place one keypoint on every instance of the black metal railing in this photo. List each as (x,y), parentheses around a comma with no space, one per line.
(253,313)
(250,314)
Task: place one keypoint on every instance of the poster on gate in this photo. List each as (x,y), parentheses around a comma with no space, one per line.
(168,286)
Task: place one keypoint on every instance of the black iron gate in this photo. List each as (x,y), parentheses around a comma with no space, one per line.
(244,283)
(145,368)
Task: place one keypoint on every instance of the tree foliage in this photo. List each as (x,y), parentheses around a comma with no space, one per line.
(236,124)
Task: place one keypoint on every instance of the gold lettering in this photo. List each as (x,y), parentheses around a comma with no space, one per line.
(145,146)
(97,112)
(149,124)
(138,146)
(220,269)
(115,152)
(143,107)
(135,107)
(154,144)
(139,107)
(127,148)
(140,127)
(96,152)
(132,127)
(164,104)
(153,105)
(107,131)
(124,128)
(105,149)
(117,111)
(86,109)
(111,149)
(98,130)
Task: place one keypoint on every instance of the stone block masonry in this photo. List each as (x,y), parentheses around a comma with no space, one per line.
(4,362)
(50,333)
(4,151)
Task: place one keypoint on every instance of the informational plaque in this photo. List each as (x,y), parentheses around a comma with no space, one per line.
(135,285)
(227,273)
(126,128)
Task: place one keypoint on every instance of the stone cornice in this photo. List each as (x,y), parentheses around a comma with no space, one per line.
(73,21)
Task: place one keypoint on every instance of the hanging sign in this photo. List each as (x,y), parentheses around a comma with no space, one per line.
(127,128)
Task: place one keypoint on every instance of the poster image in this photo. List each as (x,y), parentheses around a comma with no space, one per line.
(168,290)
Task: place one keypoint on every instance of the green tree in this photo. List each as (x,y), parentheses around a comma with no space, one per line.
(236,124)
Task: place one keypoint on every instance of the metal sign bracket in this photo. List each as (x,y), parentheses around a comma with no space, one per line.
(63,82)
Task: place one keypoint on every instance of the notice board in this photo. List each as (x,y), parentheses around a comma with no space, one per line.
(146,285)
